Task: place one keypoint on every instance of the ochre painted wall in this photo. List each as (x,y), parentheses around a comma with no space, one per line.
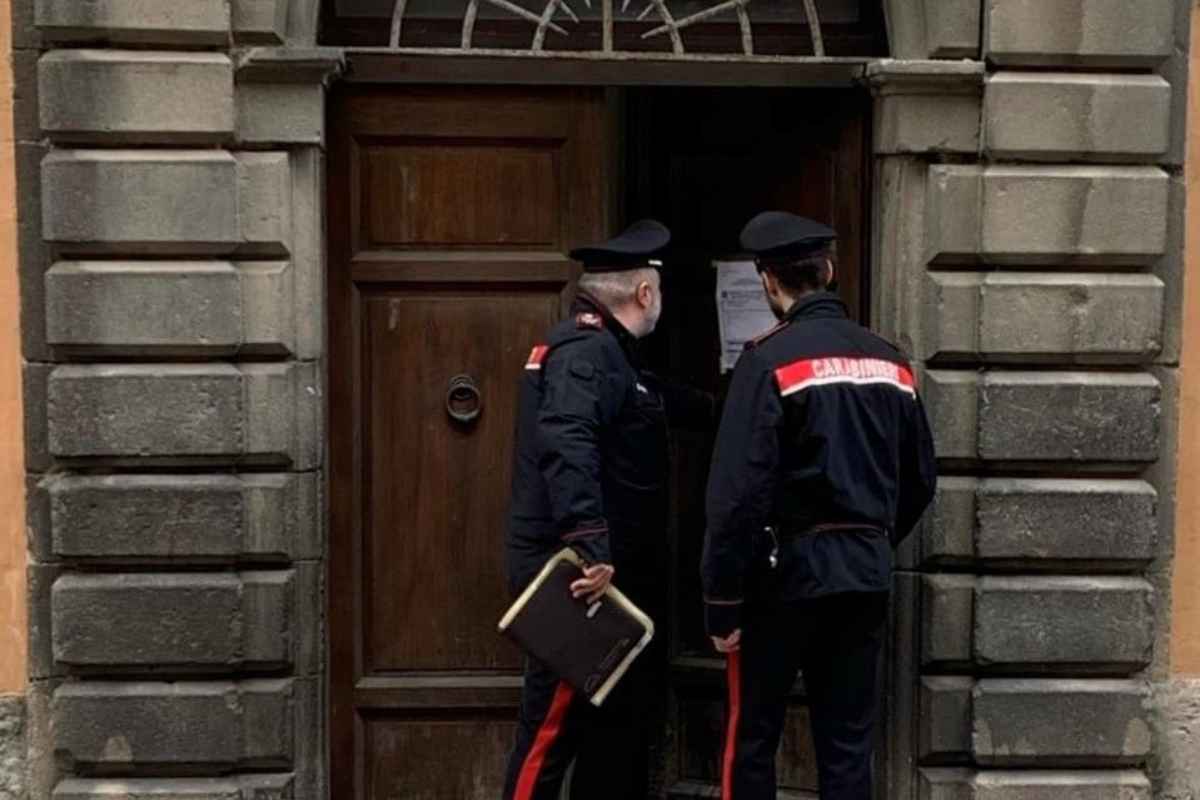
(13,626)
(1185,625)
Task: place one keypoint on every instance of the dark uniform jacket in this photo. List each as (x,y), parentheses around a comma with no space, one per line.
(825,441)
(590,465)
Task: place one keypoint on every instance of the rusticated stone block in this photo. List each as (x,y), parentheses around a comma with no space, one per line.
(39,580)
(927,123)
(942,783)
(1093,33)
(1171,269)
(34,392)
(947,614)
(1083,215)
(1061,723)
(1087,32)
(194,22)
(1047,317)
(133,96)
(269,306)
(1092,624)
(1026,215)
(1176,71)
(181,518)
(1055,116)
(945,719)
(280,113)
(950,327)
(1044,416)
(919,29)
(167,202)
(254,413)
(260,21)
(1043,524)
(34,255)
(1070,416)
(180,308)
(154,201)
(1087,317)
(13,746)
(144,306)
(241,787)
(952,403)
(176,621)
(307,248)
(264,203)
(1085,521)
(953,214)
(1177,730)
(25,102)
(1061,785)
(947,532)
(121,727)
(926,106)
(303,20)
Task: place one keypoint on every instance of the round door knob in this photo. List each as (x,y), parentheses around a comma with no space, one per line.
(464,403)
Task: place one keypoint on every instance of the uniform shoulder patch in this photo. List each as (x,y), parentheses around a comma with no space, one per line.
(589,320)
(767,334)
(852,370)
(536,357)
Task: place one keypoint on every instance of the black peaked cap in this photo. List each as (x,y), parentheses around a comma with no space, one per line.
(632,248)
(780,235)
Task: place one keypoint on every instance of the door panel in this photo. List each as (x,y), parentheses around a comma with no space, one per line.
(415,178)
(423,758)
(439,490)
(450,213)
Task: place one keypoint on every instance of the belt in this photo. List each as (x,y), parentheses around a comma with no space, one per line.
(827,527)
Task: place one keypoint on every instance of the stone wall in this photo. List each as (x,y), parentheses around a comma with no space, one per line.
(1028,254)
(171,218)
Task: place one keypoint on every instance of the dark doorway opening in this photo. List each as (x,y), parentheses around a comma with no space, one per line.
(704,161)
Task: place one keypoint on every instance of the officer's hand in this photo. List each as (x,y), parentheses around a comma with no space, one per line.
(730,643)
(593,583)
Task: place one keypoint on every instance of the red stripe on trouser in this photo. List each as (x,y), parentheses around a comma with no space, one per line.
(733,667)
(550,730)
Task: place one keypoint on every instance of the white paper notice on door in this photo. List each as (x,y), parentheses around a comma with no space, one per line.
(742,310)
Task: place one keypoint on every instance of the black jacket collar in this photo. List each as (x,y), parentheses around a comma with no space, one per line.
(585,303)
(818,305)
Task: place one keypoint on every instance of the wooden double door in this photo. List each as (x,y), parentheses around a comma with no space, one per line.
(451,211)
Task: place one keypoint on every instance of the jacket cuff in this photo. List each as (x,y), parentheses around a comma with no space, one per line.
(590,542)
(722,617)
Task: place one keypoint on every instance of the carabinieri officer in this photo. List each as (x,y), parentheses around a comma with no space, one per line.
(824,461)
(590,472)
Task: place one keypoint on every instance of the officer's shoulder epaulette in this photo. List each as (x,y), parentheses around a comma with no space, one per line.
(762,337)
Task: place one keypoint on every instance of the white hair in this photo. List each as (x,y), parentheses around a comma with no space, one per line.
(615,289)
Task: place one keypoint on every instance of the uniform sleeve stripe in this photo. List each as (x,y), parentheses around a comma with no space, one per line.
(811,372)
(537,357)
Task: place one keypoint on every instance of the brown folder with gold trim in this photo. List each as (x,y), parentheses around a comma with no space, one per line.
(589,645)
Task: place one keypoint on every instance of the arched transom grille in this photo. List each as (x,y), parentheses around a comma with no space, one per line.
(547,19)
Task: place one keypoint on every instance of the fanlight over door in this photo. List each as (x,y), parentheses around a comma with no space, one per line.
(606,28)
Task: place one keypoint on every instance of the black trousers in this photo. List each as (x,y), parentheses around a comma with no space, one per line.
(610,745)
(835,640)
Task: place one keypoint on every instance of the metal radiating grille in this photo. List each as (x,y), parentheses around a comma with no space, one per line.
(556,17)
